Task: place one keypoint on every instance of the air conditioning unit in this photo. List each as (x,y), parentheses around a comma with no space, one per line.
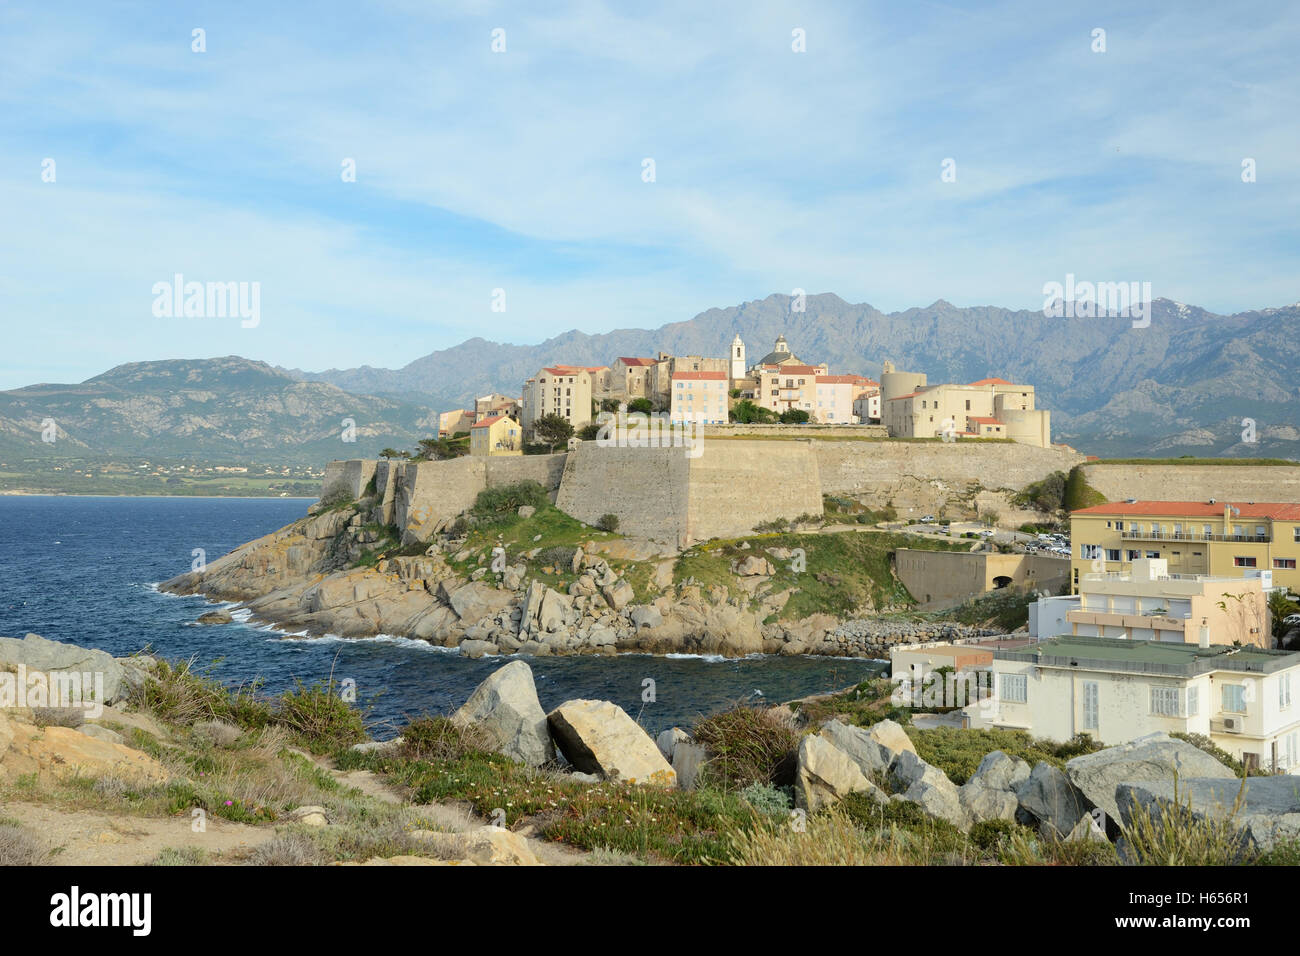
(1231,725)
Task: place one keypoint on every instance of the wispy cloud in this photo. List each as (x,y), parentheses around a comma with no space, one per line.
(523,170)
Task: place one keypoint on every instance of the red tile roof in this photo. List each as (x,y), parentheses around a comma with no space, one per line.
(983,421)
(992,381)
(488,422)
(899,398)
(574,369)
(636,361)
(697,376)
(1284,511)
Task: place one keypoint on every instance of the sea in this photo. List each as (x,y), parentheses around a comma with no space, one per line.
(86,569)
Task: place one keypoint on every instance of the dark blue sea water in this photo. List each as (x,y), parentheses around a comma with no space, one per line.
(83,570)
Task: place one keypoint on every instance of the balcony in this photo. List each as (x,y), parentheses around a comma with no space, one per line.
(1193,536)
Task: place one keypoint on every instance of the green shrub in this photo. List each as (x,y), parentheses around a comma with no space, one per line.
(991,834)
(557,556)
(607,522)
(439,740)
(506,500)
(320,718)
(766,799)
(748,745)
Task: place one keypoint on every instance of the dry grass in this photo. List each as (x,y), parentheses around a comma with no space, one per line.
(20,847)
(829,839)
(1171,835)
(749,745)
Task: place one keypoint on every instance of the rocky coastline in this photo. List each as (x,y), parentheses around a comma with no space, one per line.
(313,576)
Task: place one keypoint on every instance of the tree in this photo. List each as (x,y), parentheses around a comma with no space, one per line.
(1279,608)
(641,405)
(441,449)
(553,430)
(589,432)
(746,412)
(392,453)
(794,416)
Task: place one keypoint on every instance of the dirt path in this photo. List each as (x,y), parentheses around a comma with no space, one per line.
(94,838)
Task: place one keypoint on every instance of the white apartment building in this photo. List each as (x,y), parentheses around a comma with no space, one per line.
(1244,699)
(699,397)
(1150,604)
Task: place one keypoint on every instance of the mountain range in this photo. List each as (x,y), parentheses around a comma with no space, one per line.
(1190,382)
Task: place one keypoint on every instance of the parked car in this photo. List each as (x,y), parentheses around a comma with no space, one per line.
(1291,619)
(987,533)
(927,519)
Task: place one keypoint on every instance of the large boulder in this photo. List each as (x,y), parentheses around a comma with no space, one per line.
(891,735)
(861,747)
(474,601)
(1000,772)
(987,803)
(505,707)
(688,760)
(36,653)
(599,737)
(908,769)
(1048,796)
(989,794)
(63,751)
(556,611)
(1155,757)
(826,775)
(1268,814)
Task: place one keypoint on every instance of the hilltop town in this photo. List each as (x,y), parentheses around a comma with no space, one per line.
(565,401)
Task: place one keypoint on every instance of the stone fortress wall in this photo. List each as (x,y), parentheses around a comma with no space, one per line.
(1157,482)
(665,495)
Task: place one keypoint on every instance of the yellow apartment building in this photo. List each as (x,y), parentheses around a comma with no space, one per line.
(497,435)
(1220,538)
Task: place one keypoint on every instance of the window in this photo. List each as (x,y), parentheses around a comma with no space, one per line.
(1112,554)
(1089,551)
(1295,533)
(1119,526)
(1090,694)
(1284,691)
(1164,701)
(1015,688)
(1153,554)
(1243,562)
(1284,564)
(1234,698)
(1193,701)
(1134,555)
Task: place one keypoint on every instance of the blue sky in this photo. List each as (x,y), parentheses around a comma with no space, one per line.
(522,170)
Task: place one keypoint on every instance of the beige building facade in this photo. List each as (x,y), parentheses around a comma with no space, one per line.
(1217,538)
(564,390)
(1149,604)
(699,397)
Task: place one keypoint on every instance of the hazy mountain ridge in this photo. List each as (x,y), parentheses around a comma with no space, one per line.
(226,408)
(1113,388)
(1180,386)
